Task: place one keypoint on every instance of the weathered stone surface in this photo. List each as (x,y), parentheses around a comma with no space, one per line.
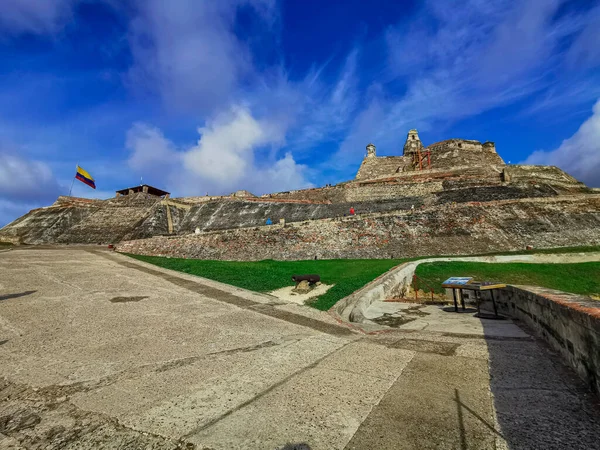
(570,323)
(462,172)
(450,229)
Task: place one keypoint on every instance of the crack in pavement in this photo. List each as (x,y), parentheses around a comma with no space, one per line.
(57,391)
(262,394)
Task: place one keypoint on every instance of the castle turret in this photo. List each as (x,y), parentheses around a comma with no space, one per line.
(413,144)
(371,151)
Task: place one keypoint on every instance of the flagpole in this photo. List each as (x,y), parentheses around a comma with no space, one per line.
(72,182)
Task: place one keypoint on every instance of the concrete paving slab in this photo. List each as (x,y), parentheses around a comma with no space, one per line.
(99,351)
(321,407)
(440,402)
(539,401)
(181,399)
(438,319)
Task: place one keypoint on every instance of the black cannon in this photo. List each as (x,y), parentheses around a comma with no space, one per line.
(312,279)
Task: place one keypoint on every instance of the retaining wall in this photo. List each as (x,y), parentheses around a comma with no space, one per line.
(467,228)
(396,281)
(570,323)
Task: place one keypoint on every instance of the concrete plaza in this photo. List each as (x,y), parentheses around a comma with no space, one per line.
(101,351)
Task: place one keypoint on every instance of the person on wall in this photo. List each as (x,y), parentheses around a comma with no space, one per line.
(269,222)
(352,210)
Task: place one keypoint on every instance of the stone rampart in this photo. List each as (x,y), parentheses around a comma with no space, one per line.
(568,322)
(243,214)
(65,200)
(375,167)
(549,174)
(391,190)
(44,225)
(460,152)
(329,194)
(451,229)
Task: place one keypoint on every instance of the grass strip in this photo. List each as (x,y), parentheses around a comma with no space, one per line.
(348,275)
(577,278)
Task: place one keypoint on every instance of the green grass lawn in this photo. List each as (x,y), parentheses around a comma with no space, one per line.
(557,250)
(579,278)
(348,275)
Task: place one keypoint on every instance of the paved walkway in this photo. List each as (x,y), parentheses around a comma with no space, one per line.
(101,351)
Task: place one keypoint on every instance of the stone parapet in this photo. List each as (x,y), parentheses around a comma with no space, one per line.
(548,174)
(569,323)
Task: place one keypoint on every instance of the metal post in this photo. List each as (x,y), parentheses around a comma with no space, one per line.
(462,299)
(76,167)
(494,303)
(455,302)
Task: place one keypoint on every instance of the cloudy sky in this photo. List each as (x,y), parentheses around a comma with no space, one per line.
(265,95)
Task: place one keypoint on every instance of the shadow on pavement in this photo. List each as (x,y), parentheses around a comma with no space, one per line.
(20,294)
(295,447)
(539,401)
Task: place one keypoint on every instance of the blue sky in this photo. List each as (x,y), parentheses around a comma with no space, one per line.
(266,95)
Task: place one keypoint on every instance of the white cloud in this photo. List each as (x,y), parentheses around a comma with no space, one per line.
(225,152)
(481,55)
(152,153)
(24,184)
(223,160)
(580,154)
(187,51)
(25,180)
(584,50)
(35,16)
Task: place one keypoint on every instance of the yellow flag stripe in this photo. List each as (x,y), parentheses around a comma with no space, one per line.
(84,173)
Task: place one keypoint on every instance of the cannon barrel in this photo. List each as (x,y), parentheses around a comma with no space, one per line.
(312,279)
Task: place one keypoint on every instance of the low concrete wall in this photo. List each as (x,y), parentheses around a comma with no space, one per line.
(391,284)
(570,323)
(395,282)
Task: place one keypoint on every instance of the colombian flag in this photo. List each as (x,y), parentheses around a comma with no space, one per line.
(85,177)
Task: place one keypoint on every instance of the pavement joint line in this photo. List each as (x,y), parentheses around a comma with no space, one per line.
(258,396)
(489,338)
(227,297)
(376,405)
(48,399)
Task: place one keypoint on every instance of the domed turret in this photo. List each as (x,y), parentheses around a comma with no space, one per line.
(371,151)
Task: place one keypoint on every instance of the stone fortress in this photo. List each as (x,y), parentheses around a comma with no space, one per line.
(452,197)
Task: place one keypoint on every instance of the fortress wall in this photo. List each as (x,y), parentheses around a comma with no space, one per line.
(480,193)
(243,214)
(200,199)
(376,167)
(334,194)
(444,229)
(106,225)
(44,225)
(156,223)
(389,191)
(455,144)
(570,323)
(65,200)
(448,156)
(396,184)
(550,174)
